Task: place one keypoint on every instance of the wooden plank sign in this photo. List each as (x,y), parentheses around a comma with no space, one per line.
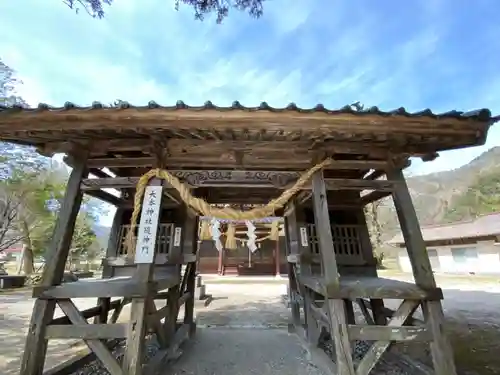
(148,226)
(177,236)
(303,237)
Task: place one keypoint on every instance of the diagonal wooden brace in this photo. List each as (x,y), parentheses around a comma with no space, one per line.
(405,310)
(97,346)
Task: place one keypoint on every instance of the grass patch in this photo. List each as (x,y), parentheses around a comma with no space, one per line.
(474,347)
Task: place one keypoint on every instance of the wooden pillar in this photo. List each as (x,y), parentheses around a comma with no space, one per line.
(442,354)
(410,228)
(175,254)
(277,257)
(294,270)
(145,255)
(107,272)
(331,278)
(189,247)
(377,304)
(220,262)
(35,349)
(300,247)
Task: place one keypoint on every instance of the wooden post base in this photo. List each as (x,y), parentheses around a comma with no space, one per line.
(101,336)
(401,327)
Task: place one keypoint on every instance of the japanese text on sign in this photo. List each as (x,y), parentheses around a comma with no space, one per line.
(148,226)
(303,237)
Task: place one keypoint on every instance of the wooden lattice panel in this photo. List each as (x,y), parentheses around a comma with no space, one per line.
(163,238)
(346,243)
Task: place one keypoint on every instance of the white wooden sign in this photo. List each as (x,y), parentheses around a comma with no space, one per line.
(216,234)
(177,236)
(303,237)
(148,226)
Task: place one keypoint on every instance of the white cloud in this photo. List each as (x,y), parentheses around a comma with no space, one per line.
(322,51)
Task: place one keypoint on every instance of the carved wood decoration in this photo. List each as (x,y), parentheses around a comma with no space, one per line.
(241,179)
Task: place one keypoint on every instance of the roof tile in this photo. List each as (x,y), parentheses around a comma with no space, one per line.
(479,114)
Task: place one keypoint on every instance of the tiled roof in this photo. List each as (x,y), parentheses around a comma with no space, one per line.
(478,115)
(487,225)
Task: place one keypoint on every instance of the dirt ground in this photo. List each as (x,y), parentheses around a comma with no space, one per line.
(255,313)
(473,323)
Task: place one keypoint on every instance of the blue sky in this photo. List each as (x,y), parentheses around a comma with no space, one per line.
(441,54)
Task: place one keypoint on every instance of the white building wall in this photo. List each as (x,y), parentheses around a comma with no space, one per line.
(487,261)
(404,261)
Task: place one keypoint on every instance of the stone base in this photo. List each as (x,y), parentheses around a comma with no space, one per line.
(200,293)
(12,281)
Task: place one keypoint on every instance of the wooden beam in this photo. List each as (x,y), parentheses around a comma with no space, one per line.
(107,271)
(389,312)
(122,162)
(87,331)
(106,197)
(87,314)
(375,174)
(239,179)
(147,161)
(371,358)
(410,228)
(43,311)
(352,287)
(336,308)
(162,259)
(367,251)
(176,146)
(99,173)
(156,363)
(97,346)
(373,197)
(189,248)
(133,357)
(442,353)
(358,184)
(112,287)
(298,243)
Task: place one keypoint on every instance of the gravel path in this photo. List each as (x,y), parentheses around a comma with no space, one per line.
(237,351)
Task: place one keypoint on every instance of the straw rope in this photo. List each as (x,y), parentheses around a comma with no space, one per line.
(205,209)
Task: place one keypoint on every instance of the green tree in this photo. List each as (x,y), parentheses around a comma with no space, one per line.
(31,189)
(84,238)
(32,219)
(481,197)
(220,8)
(8,83)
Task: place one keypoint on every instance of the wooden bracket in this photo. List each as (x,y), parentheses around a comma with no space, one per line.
(160,151)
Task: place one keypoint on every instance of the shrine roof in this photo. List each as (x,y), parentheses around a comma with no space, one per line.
(154,108)
(124,130)
(484,226)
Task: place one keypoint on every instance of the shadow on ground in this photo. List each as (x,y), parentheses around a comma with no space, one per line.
(473,327)
(13,336)
(15,313)
(259,313)
(472,323)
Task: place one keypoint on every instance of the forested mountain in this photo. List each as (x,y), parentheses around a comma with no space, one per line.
(463,193)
